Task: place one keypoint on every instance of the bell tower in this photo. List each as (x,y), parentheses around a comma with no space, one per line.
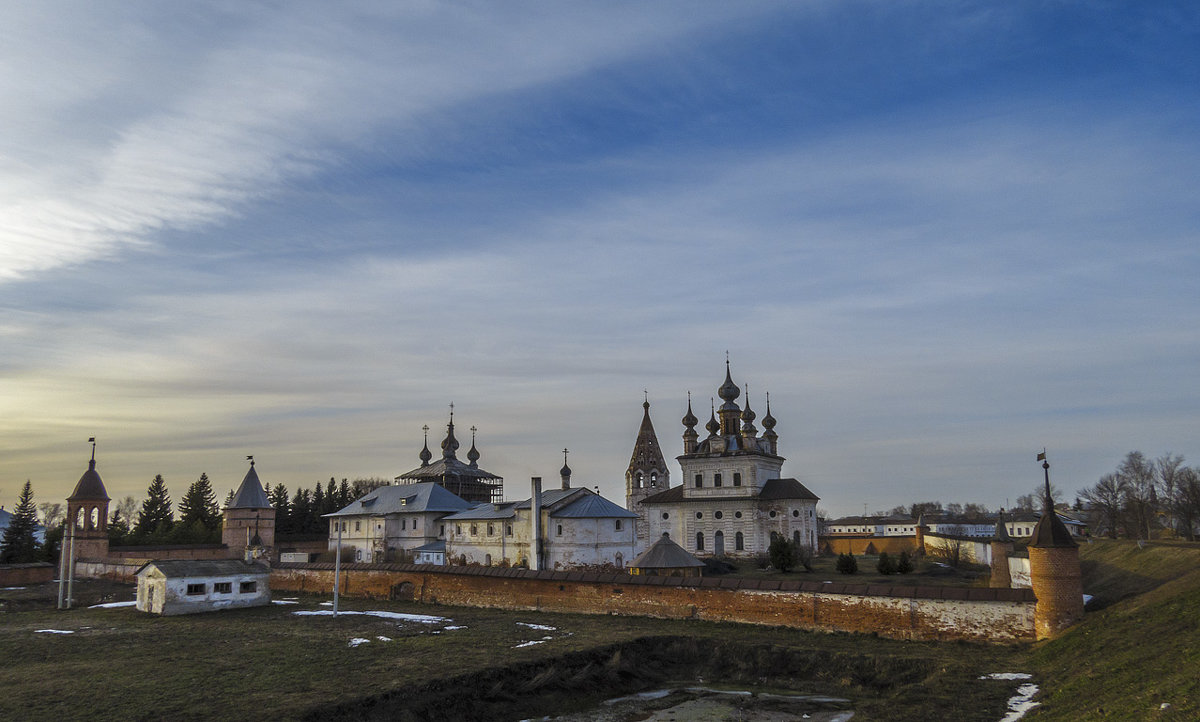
(647,473)
(249,520)
(87,514)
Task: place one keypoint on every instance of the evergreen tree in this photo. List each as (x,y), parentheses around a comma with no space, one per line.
(156,517)
(318,508)
(905,565)
(199,505)
(19,544)
(118,530)
(301,508)
(847,564)
(783,553)
(885,565)
(344,495)
(228,500)
(279,499)
(331,498)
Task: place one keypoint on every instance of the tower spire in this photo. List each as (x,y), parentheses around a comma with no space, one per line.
(450,444)
(425,454)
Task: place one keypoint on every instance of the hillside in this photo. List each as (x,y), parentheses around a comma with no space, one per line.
(1140,650)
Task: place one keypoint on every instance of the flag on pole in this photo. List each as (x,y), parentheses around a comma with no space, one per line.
(92,440)
(1042,455)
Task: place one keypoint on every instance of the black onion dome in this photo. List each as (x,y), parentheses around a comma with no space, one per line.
(689,419)
(729,390)
(425,454)
(747,414)
(768,421)
(473,454)
(713,426)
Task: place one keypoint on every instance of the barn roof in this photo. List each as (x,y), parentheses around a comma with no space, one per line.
(665,554)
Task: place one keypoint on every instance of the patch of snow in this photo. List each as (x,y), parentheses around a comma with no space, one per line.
(326,604)
(54,631)
(453,627)
(382,638)
(539,627)
(1021,703)
(1007,675)
(112,605)
(1165,705)
(285,601)
(543,640)
(357,641)
(398,616)
(11,589)
(1087,599)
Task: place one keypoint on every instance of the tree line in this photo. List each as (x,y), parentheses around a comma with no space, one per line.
(1144,497)
(156,520)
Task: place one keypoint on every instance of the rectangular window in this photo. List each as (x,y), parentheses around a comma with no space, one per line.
(195,590)
(474,530)
(560,530)
(403,524)
(617,525)
(716,479)
(737,478)
(358,526)
(699,480)
(223,588)
(508,529)
(248,587)
(458,529)
(443,531)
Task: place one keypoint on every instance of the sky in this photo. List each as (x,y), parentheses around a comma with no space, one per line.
(941,235)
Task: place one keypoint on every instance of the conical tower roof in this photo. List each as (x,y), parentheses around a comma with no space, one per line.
(1050,531)
(1001,533)
(250,494)
(90,487)
(647,454)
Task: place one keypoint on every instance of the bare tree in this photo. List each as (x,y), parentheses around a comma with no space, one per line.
(51,512)
(126,509)
(1105,501)
(1141,494)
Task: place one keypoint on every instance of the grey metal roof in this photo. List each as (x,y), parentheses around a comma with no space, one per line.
(551,497)
(592,506)
(250,494)
(771,489)
(404,499)
(665,554)
(478,512)
(434,546)
(90,487)
(176,568)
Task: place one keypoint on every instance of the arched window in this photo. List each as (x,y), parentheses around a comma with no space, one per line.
(654,478)
(94,521)
(699,541)
(739,541)
(487,560)
(796,537)
(719,543)
(619,561)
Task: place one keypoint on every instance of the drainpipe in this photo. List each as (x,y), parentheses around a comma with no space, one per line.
(535,540)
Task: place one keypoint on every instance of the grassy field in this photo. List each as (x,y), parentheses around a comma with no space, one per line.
(1122,662)
(1140,650)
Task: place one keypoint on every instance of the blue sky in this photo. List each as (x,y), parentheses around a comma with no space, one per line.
(941,235)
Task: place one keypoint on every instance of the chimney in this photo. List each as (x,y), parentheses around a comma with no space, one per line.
(535,539)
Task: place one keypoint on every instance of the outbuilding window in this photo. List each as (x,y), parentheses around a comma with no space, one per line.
(617,525)
(248,587)
(223,588)
(195,590)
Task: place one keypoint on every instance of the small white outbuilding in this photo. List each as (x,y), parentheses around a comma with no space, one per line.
(185,586)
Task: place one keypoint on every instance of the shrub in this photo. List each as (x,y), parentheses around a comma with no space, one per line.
(762,561)
(905,565)
(885,565)
(847,564)
(782,553)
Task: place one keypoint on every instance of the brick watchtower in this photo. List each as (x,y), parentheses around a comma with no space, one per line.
(1054,571)
(1001,547)
(250,514)
(87,515)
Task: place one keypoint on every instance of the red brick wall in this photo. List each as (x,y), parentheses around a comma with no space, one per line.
(182,551)
(1058,586)
(900,612)
(12,575)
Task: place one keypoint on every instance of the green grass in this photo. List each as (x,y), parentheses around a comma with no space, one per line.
(1140,651)
(925,573)
(266,663)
